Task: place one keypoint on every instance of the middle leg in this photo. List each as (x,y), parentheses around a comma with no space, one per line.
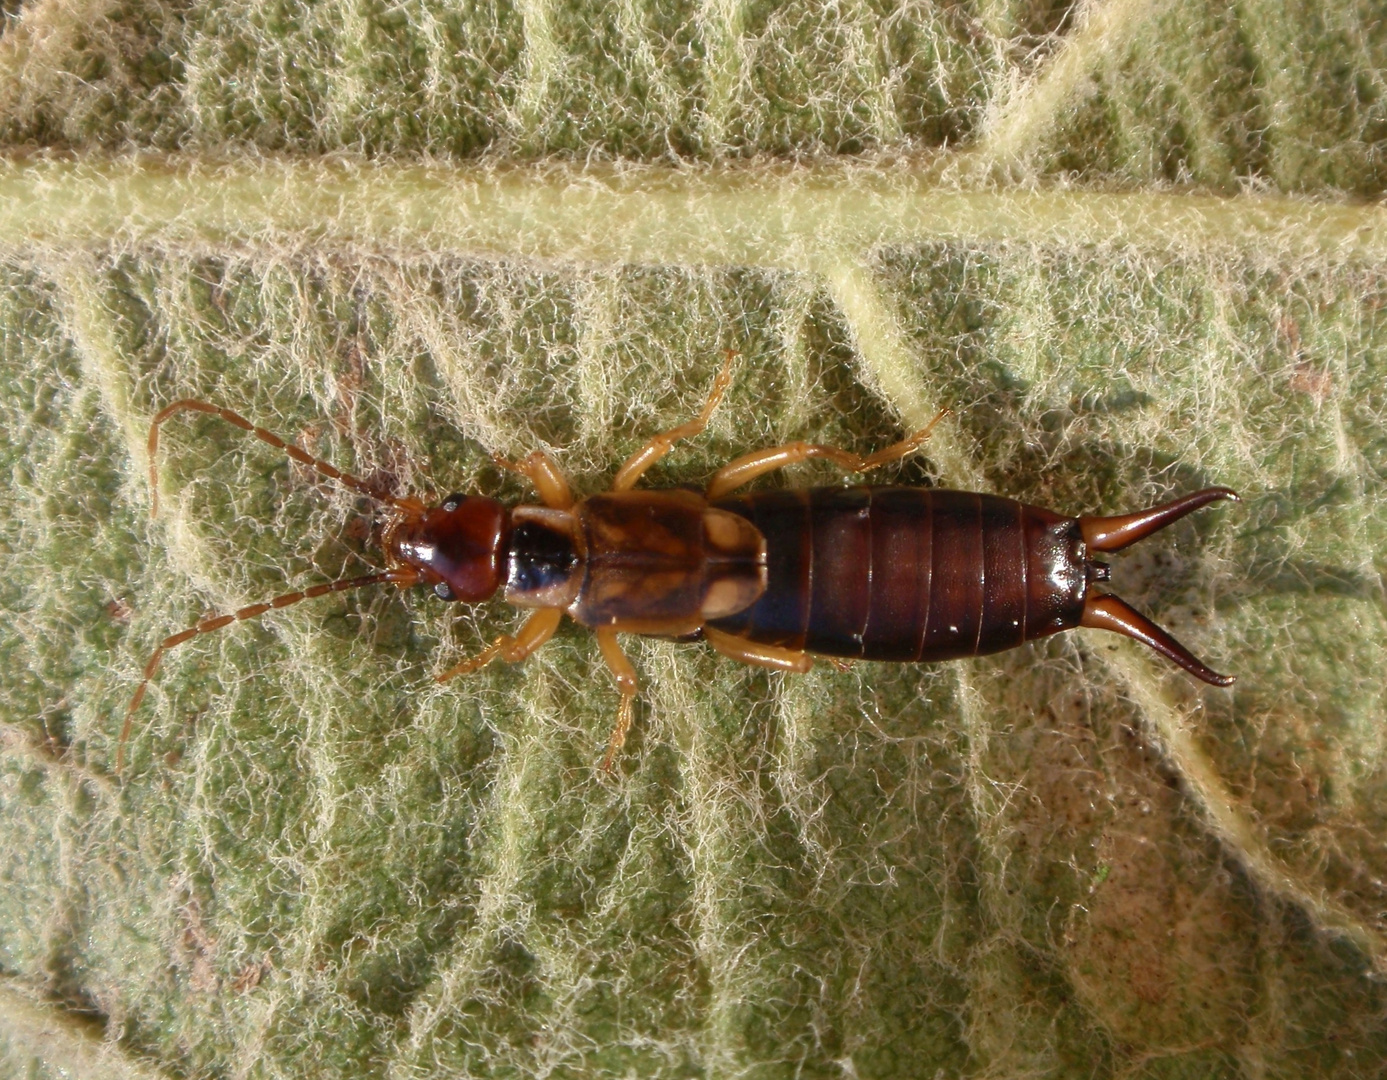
(538,629)
(636,465)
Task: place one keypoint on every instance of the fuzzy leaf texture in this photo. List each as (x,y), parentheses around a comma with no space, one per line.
(1136,248)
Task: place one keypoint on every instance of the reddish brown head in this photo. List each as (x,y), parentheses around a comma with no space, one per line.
(459,547)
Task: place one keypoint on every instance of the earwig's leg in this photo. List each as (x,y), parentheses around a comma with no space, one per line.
(751,652)
(410,506)
(634,466)
(538,629)
(539,468)
(626,682)
(1116,533)
(403,578)
(748,467)
(1110,613)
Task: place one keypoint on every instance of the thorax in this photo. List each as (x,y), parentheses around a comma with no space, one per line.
(653,562)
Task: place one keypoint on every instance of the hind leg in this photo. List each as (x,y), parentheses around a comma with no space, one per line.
(748,467)
(751,652)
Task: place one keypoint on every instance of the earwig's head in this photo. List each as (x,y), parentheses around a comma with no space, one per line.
(459,546)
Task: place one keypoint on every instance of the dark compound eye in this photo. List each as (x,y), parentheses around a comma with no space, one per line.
(441,590)
(452,502)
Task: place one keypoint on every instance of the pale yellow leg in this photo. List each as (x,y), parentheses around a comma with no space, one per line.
(538,629)
(635,466)
(627,683)
(748,467)
(752,652)
(539,468)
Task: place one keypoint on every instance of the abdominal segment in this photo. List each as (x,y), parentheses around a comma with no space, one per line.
(895,573)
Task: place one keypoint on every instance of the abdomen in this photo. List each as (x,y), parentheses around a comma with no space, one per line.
(897,573)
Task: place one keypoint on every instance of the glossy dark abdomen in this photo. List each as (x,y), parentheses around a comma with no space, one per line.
(895,573)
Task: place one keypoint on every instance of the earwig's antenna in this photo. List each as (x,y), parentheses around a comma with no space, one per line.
(409,506)
(407,509)
(403,577)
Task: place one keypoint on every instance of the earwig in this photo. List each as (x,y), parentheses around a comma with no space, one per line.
(771,578)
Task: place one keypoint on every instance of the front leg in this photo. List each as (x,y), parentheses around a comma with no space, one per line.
(538,629)
(539,468)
